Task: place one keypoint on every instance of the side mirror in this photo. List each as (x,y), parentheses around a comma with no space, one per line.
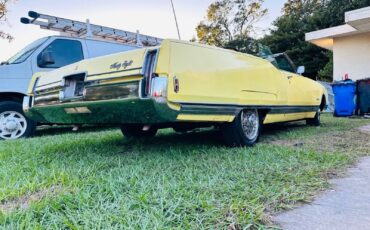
(46,59)
(301,70)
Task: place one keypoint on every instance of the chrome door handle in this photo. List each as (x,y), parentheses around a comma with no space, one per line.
(289,77)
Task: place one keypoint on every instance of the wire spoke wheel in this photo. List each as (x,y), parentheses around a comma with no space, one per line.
(250,123)
(244,130)
(12,125)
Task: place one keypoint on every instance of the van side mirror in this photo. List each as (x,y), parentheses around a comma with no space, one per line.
(46,58)
(301,70)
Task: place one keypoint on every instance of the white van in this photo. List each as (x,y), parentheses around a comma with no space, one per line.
(78,41)
(45,54)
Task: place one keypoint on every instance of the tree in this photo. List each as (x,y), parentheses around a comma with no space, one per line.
(326,73)
(333,14)
(229,20)
(302,16)
(3,12)
(289,35)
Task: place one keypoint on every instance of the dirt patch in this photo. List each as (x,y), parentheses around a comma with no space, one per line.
(289,143)
(351,141)
(365,129)
(25,201)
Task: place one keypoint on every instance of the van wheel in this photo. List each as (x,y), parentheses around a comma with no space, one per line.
(316,121)
(136,131)
(244,130)
(13,123)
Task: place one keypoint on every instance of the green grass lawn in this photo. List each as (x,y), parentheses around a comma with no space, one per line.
(97,179)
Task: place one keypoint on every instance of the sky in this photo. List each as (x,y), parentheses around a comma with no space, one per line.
(151,17)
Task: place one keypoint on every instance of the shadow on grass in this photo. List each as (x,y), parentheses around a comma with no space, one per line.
(211,137)
(198,137)
(214,137)
(108,141)
(273,129)
(58,130)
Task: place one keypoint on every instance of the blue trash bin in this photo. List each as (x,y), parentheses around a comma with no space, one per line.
(345,98)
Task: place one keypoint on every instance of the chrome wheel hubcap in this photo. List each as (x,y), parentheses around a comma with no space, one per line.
(12,125)
(250,123)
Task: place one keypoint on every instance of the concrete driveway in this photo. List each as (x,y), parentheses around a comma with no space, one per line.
(345,207)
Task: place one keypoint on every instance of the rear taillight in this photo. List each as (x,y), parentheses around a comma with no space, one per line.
(149,74)
(159,87)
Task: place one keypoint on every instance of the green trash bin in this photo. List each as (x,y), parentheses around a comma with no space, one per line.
(363,89)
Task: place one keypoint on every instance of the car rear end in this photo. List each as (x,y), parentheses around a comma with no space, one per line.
(117,89)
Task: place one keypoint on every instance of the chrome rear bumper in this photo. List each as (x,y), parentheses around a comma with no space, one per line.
(101,104)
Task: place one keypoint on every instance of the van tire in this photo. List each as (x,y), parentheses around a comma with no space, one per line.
(136,131)
(244,130)
(13,123)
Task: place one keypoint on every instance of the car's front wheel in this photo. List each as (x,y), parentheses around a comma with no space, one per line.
(244,130)
(13,123)
(138,131)
(316,121)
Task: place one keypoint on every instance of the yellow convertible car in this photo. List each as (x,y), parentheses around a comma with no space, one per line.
(181,85)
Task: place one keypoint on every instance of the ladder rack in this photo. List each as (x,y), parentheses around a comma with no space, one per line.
(86,30)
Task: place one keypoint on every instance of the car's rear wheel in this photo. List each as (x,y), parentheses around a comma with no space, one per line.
(138,131)
(244,130)
(13,123)
(316,121)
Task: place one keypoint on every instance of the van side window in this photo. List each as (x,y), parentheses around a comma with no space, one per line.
(60,53)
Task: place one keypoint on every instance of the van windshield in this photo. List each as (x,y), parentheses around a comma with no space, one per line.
(22,55)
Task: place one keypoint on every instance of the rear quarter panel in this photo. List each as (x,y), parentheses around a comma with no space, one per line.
(209,75)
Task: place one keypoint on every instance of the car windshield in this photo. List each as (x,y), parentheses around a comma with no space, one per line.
(265,53)
(253,47)
(285,63)
(22,55)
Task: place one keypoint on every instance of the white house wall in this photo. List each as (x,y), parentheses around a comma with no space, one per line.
(352,57)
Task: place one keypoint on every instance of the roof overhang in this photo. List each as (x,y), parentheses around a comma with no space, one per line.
(357,22)
(359,19)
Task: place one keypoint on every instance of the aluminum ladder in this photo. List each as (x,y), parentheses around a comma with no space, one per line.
(78,29)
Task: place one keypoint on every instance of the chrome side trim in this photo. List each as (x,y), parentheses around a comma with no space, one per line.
(112,72)
(50,83)
(235,109)
(47,99)
(110,78)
